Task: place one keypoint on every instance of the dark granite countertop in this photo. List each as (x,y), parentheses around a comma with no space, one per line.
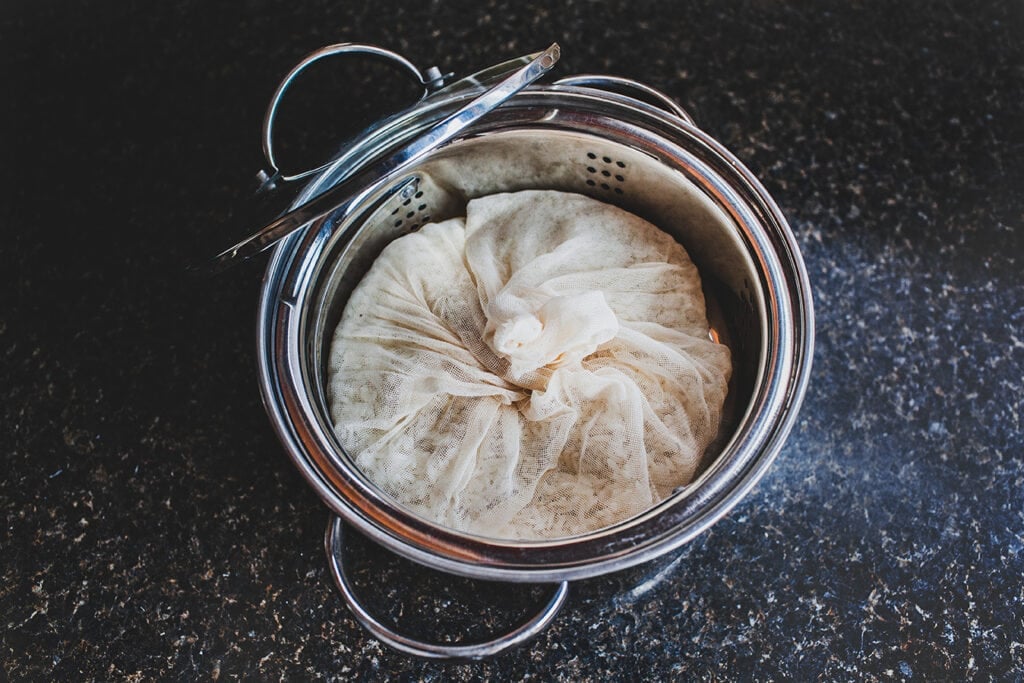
(153,528)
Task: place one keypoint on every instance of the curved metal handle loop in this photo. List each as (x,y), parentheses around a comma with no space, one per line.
(613,82)
(312,57)
(333,544)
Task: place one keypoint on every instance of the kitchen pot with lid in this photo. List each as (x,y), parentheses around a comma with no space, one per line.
(610,138)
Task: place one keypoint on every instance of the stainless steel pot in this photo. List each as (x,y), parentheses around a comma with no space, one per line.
(613,139)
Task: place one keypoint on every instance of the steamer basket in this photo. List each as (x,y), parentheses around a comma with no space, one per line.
(573,136)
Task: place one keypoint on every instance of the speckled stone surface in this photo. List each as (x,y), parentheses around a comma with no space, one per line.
(152,527)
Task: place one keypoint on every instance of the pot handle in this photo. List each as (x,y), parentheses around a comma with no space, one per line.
(628,85)
(334,545)
(429,79)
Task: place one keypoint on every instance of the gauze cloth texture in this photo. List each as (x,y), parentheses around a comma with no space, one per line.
(538,369)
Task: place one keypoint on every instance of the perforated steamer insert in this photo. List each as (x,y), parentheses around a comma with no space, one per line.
(612,139)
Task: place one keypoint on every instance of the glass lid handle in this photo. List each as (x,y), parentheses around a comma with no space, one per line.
(430,80)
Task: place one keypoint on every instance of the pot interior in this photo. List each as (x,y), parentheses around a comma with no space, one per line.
(645,183)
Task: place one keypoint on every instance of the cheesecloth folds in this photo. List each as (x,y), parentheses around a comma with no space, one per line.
(538,369)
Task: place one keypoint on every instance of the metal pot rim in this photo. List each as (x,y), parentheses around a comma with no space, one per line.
(660,530)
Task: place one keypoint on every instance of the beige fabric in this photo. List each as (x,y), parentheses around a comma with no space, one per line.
(539,369)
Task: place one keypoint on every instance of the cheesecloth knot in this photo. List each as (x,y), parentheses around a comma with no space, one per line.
(563,331)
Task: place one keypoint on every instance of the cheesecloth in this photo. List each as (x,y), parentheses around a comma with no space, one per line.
(538,369)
